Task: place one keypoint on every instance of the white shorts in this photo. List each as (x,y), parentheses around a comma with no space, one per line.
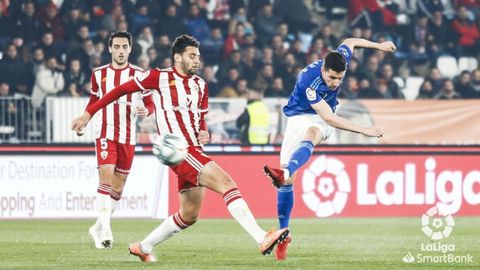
(296,127)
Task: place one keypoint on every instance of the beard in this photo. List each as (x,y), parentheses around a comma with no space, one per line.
(190,71)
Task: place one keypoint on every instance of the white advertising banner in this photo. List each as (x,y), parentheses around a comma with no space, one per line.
(61,186)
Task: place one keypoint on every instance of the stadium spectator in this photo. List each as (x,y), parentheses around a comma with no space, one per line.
(240,16)
(109,20)
(266,24)
(436,78)
(48,82)
(277,89)
(318,47)
(145,39)
(428,7)
(13,70)
(469,35)
(234,61)
(212,82)
(27,24)
(51,21)
(140,19)
(234,40)
(350,89)
(74,79)
(250,64)
(387,77)
(213,47)
(286,70)
(50,47)
(162,46)
(170,24)
(229,81)
(426,90)
(330,41)
(475,82)
(448,91)
(439,35)
(74,21)
(463,85)
(264,79)
(197,24)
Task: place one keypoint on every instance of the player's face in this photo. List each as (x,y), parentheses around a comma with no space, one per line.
(120,50)
(189,60)
(332,78)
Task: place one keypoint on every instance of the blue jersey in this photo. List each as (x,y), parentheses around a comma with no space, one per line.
(310,88)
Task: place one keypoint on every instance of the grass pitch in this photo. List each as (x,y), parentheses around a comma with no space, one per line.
(334,243)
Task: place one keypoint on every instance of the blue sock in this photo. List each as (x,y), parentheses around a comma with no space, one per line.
(284,205)
(300,156)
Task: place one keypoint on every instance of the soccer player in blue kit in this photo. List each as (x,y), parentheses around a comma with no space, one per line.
(311,119)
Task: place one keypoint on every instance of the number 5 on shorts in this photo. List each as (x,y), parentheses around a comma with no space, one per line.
(103,144)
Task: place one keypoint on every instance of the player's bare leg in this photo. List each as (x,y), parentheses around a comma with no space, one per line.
(118,183)
(101,231)
(215,178)
(190,205)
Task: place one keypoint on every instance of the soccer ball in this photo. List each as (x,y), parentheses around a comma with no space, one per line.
(169,149)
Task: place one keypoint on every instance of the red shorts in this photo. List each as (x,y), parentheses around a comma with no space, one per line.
(187,171)
(114,153)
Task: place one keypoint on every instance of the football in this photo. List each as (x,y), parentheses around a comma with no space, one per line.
(169,149)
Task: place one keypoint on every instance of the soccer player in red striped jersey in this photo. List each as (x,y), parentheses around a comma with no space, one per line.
(181,100)
(115,132)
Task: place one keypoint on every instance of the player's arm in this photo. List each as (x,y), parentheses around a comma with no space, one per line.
(146,81)
(149,107)
(353,43)
(334,120)
(203,135)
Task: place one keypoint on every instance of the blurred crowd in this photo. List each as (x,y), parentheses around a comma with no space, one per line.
(48,47)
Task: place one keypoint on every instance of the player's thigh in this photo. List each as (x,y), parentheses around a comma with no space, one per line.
(190,203)
(125,154)
(293,136)
(215,178)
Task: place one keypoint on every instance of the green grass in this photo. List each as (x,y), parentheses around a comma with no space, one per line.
(334,243)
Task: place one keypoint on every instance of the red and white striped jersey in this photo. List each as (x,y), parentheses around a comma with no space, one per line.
(181,102)
(117,121)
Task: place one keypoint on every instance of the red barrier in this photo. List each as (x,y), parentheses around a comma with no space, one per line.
(353,185)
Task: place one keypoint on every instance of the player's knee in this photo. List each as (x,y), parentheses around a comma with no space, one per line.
(189,216)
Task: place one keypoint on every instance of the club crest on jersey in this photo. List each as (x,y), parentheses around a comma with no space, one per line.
(142,76)
(311,94)
(104,155)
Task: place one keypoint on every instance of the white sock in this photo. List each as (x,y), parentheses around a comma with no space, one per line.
(115,196)
(238,208)
(104,206)
(169,227)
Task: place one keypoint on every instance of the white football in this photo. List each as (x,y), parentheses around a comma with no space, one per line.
(169,149)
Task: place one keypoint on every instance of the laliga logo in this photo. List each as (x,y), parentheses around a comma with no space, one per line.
(435,225)
(325,186)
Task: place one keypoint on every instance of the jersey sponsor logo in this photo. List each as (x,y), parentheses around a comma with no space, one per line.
(171,83)
(143,76)
(311,94)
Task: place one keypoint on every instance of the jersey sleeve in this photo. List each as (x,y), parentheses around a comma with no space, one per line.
(147,80)
(345,51)
(93,85)
(204,109)
(313,91)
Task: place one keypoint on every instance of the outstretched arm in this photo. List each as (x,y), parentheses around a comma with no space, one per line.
(386,46)
(334,120)
(79,123)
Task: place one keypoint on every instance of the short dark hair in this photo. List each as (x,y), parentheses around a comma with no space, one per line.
(119,34)
(335,61)
(182,42)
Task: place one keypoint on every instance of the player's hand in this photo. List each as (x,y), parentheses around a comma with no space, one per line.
(78,124)
(142,112)
(387,46)
(203,137)
(373,132)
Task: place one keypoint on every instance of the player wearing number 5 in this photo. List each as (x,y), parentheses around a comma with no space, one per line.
(115,132)
(311,119)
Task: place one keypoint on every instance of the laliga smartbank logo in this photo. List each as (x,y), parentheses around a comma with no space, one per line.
(437,226)
(326,185)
